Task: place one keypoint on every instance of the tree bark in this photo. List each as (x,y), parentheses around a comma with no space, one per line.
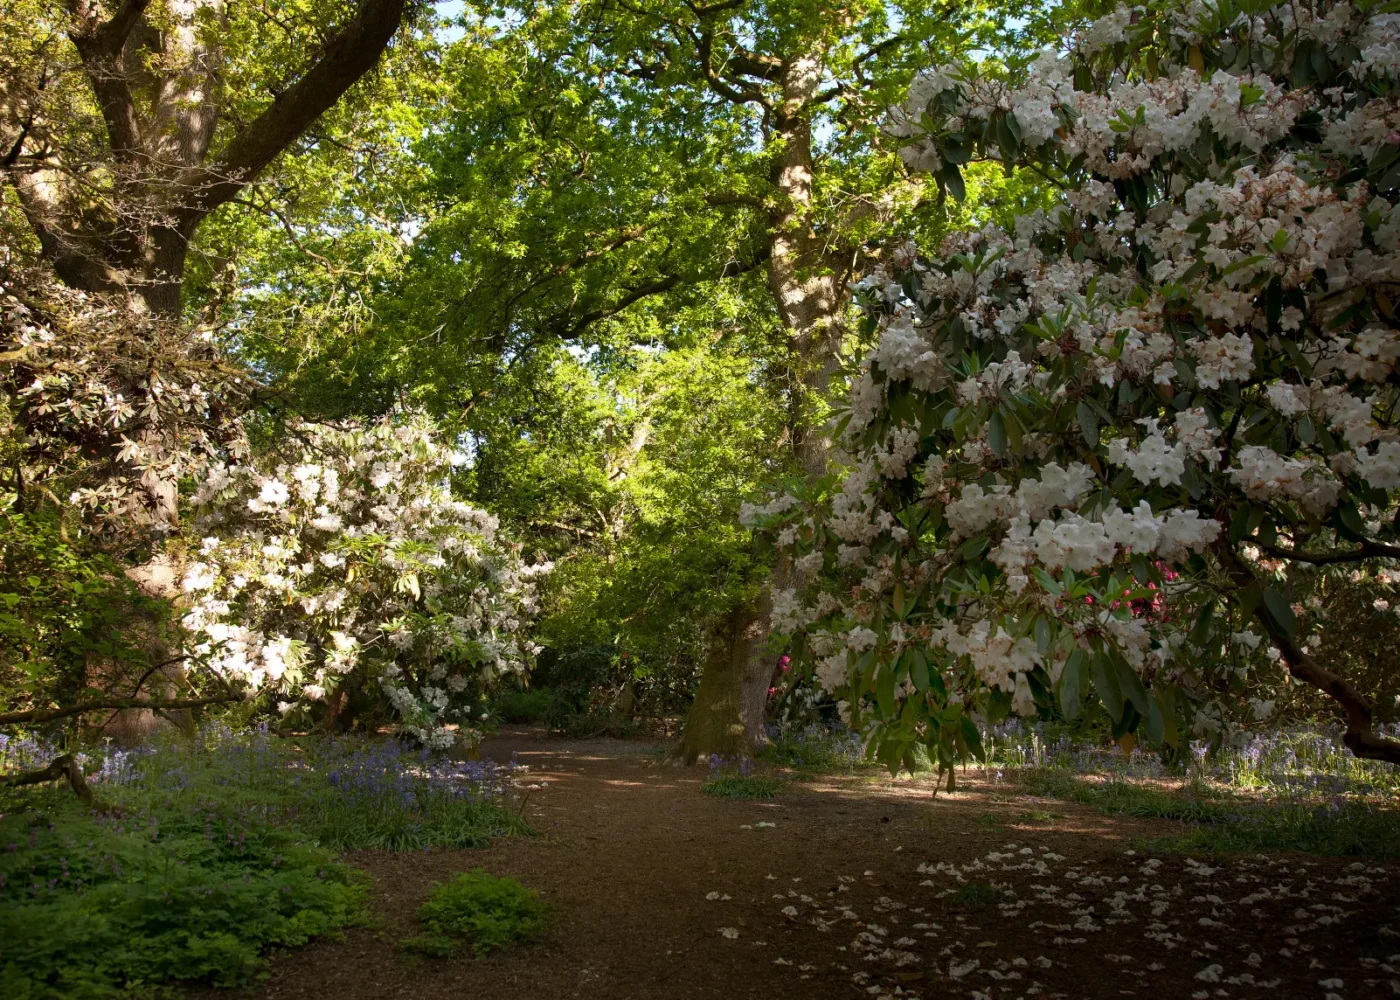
(728,712)
(61,767)
(806,278)
(156,70)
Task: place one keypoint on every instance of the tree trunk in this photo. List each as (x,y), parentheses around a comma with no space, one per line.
(156,71)
(728,713)
(807,282)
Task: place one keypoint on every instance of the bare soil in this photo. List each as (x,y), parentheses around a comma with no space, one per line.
(1043,899)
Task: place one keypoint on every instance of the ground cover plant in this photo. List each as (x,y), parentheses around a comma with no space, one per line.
(199,854)
(1298,790)
(482,911)
(736,779)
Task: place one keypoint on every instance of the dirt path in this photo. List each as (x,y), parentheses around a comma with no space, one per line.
(827,902)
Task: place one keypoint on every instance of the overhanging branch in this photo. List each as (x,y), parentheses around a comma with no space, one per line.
(104,704)
(1367,550)
(350,55)
(1359,737)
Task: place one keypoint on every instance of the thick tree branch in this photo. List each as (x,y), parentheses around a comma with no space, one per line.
(50,715)
(704,48)
(1368,550)
(61,767)
(734,198)
(1359,737)
(663,284)
(100,44)
(350,55)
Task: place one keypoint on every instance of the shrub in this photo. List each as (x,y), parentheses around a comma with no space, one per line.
(523,707)
(1094,452)
(484,911)
(816,747)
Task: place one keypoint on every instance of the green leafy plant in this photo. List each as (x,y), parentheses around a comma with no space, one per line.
(483,911)
(179,890)
(736,780)
(523,707)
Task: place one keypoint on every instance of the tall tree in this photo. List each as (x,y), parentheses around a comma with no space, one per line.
(697,144)
(181,105)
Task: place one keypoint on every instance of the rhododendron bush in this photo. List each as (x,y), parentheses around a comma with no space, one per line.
(1095,457)
(349,566)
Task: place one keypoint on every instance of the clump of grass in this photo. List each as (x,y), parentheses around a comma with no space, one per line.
(976,896)
(480,910)
(741,786)
(736,780)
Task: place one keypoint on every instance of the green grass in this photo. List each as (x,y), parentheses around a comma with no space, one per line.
(1225,822)
(741,786)
(975,896)
(481,911)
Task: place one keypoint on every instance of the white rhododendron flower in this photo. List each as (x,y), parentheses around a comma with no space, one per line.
(357,567)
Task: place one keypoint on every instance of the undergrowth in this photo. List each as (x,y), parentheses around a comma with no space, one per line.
(482,911)
(735,779)
(521,708)
(205,852)
(1225,821)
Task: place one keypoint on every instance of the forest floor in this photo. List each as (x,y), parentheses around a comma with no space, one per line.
(662,891)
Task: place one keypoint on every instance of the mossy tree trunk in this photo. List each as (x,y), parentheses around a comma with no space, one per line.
(728,714)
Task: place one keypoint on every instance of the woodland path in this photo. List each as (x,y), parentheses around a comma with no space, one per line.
(630,848)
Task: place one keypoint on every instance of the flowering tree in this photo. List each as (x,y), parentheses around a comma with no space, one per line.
(1093,455)
(353,567)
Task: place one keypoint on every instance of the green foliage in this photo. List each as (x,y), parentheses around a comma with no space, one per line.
(815,748)
(630,474)
(483,911)
(67,608)
(188,888)
(210,850)
(744,787)
(522,707)
(976,896)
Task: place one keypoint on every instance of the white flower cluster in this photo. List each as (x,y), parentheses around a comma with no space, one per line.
(356,565)
(1200,332)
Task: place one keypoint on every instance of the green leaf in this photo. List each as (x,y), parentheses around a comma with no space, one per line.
(918,670)
(1280,611)
(1156,722)
(1042,635)
(1106,684)
(973,738)
(1166,701)
(1200,631)
(996,434)
(884,690)
(1073,682)
(1088,423)
(1131,686)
